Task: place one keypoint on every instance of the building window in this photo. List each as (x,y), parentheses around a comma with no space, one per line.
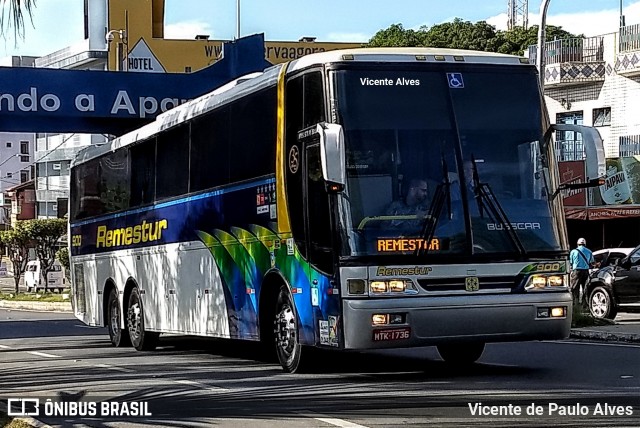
(569,146)
(24,147)
(9,175)
(24,176)
(629,145)
(24,158)
(8,144)
(602,116)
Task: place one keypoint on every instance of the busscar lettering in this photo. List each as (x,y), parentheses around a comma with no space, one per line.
(144,232)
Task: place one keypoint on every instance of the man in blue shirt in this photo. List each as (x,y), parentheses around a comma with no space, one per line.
(581,258)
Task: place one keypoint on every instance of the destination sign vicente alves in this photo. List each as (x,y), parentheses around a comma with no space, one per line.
(54,100)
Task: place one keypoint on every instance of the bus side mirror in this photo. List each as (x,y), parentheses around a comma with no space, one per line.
(595,167)
(332,155)
(594,151)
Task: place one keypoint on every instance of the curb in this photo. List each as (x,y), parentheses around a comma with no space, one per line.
(36,306)
(605,336)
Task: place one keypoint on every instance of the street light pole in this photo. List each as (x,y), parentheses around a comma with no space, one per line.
(541,41)
(237,19)
(622,23)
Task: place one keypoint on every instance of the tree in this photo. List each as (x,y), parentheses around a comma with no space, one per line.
(518,40)
(461,34)
(396,35)
(12,15)
(63,257)
(17,241)
(45,234)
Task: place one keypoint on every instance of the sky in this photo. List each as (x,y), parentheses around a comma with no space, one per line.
(57,24)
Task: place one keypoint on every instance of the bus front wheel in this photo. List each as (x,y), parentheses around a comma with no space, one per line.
(285,331)
(461,353)
(118,336)
(140,339)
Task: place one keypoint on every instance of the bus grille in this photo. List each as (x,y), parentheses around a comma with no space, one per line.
(493,283)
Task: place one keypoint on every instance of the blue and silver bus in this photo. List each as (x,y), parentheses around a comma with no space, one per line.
(260,211)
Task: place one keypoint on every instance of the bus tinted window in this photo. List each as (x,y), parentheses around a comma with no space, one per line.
(143,173)
(172,163)
(253,134)
(209,147)
(114,182)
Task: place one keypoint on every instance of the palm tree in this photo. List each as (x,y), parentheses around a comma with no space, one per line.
(12,14)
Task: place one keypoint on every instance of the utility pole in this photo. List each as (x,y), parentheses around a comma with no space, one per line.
(518,14)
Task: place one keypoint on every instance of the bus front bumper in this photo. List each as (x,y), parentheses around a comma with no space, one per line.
(451,319)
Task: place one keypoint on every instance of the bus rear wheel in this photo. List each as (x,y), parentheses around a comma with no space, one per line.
(288,347)
(461,353)
(140,339)
(118,336)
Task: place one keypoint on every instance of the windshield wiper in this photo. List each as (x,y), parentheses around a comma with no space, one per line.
(441,196)
(486,199)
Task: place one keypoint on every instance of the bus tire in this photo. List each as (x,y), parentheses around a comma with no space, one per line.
(461,353)
(140,339)
(286,334)
(119,336)
(601,304)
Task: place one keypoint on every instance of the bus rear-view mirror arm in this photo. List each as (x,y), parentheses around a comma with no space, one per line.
(595,167)
(332,155)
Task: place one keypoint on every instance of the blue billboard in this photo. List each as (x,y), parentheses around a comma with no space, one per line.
(105,102)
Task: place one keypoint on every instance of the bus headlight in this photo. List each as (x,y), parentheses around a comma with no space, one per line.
(539,282)
(392,287)
(379,287)
(555,281)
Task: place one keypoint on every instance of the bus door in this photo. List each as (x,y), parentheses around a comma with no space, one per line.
(325,302)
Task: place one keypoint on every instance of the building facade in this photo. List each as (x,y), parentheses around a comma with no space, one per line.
(595,81)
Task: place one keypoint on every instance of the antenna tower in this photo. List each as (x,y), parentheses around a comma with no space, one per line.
(518,14)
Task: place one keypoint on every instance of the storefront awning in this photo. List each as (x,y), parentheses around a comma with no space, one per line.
(602,213)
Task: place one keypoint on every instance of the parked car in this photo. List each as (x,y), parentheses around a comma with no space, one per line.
(614,284)
(609,256)
(34,278)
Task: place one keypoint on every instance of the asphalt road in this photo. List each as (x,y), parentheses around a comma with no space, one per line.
(189,382)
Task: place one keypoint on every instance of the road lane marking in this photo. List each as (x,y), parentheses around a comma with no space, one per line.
(201,385)
(43,354)
(118,369)
(332,421)
(5,347)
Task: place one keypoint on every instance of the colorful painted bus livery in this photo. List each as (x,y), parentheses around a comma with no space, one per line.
(258,211)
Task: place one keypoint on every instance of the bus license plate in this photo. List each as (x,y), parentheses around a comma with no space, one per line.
(392,334)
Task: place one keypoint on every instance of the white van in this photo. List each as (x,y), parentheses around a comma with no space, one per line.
(34,280)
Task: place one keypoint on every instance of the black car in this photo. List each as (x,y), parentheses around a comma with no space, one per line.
(613,285)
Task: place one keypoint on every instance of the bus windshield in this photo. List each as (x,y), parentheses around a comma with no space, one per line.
(444,162)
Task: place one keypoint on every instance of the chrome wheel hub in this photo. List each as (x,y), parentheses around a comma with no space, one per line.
(285,330)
